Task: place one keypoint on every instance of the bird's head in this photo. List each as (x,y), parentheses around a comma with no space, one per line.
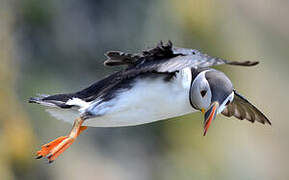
(211,91)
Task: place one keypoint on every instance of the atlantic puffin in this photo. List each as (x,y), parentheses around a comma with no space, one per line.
(156,84)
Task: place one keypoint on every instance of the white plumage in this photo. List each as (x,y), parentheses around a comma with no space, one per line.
(147,101)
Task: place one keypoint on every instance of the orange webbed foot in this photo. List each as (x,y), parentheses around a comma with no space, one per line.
(53,149)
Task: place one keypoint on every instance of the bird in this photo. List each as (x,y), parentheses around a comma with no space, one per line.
(155,84)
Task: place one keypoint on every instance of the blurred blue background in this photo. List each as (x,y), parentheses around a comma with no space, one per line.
(57,46)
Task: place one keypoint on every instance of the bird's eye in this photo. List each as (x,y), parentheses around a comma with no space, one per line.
(228,102)
(203,93)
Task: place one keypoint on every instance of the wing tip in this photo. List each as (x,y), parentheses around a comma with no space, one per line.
(116,58)
(244,63)
(268,122)
(111,62)
(253,63)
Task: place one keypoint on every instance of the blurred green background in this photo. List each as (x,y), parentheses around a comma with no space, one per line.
(57,46)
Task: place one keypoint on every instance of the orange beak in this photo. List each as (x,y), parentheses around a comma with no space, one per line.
(210,115)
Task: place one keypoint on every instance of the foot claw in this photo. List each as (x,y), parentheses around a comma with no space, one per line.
(38,157)
(49,156)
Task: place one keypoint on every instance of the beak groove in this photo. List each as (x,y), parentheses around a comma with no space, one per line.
(210,115)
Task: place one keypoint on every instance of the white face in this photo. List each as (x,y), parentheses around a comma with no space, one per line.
(201,93)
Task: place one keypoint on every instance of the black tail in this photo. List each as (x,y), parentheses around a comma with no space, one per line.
(58,100)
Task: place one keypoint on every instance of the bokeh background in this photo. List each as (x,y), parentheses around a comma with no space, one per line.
(57,46)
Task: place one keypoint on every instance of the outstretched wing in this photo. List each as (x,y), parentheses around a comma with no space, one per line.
(167,59)
(241,108)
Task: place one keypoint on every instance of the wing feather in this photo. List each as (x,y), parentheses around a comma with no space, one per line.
(241,108)
(165,58)
(116,58)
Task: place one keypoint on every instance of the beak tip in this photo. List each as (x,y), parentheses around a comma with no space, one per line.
(205,132)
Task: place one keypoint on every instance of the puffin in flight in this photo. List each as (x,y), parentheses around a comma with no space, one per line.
(156,84)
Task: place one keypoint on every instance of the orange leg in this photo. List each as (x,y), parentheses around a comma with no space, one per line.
(53,149)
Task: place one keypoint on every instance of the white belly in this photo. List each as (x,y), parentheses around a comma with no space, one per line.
(149,100)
